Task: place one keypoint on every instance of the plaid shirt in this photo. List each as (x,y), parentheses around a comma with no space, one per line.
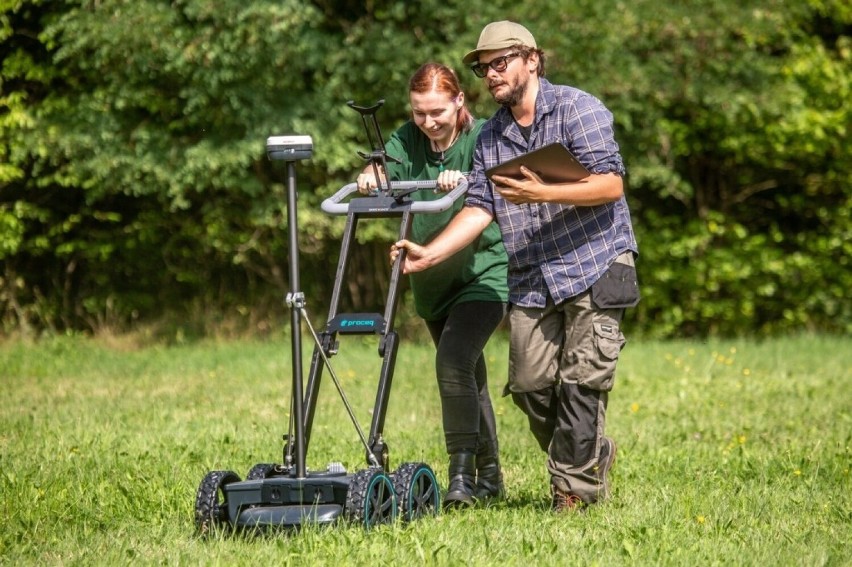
(556,250)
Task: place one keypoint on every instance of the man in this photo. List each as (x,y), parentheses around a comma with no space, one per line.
(571,257)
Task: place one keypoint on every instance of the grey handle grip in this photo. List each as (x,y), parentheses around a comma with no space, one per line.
(334,205)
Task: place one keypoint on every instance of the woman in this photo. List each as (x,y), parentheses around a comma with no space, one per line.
(464,299)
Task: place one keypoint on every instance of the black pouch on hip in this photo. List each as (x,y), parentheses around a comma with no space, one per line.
(617,288)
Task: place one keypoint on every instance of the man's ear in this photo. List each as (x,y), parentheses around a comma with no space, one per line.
(532,61)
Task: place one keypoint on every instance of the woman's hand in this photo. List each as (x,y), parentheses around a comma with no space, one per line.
(447,180)
(366,183)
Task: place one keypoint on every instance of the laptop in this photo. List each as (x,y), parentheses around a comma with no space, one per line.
(553,163)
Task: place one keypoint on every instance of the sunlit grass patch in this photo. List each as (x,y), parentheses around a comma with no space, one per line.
(730,452)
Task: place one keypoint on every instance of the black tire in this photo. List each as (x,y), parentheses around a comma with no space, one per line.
(417,491)
(371,499)
(260,471)
(211,502)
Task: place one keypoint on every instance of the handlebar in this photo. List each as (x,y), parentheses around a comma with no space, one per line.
(334,205)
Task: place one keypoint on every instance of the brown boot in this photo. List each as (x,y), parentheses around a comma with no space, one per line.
(462,488)
(562,501)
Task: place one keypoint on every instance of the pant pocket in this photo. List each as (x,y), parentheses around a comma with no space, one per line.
(607,342)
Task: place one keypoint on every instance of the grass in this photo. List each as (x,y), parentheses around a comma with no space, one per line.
(730,453)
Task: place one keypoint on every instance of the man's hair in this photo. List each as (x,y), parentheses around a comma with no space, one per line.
(526,51)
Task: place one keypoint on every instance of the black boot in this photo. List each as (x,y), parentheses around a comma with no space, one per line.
(462,488)
(489,478)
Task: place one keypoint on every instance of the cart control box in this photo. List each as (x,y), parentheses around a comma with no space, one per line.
(289,148)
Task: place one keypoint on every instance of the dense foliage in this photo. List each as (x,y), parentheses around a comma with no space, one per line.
(134,185)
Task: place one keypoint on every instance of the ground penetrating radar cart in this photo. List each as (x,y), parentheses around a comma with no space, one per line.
(287,494)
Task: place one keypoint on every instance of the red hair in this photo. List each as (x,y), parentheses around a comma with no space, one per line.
(442,79)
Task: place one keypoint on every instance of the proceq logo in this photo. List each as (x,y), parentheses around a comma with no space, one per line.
(355,323)
(358,323)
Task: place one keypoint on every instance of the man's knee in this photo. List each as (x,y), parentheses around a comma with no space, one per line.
(540,409)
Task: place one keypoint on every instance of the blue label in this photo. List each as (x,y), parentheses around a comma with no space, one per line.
(358,323)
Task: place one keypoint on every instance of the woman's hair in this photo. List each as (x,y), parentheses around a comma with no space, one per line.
(442,79)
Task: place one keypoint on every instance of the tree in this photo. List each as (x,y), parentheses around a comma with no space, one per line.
(134,182)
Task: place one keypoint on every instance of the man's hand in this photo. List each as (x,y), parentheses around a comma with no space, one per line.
(417,257)
(596,189)
(468,223)
(529,189)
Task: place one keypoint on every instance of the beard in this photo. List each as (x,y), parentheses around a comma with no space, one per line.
(513,97)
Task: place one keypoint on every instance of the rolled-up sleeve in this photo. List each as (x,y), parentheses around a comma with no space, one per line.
(593,140)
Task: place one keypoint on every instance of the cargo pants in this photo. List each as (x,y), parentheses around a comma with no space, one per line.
(562,364)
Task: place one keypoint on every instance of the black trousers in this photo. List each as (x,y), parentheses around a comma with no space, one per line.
(468,416)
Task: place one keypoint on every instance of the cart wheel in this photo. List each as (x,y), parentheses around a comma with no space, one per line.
(260,471)
(417,491)
(371,499)
(211,502)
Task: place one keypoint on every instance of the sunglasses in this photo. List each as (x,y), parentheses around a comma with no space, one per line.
(499,64)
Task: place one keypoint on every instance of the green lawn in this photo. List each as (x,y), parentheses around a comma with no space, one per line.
(730,453)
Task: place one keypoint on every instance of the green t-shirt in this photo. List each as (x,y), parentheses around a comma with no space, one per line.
(476,273)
